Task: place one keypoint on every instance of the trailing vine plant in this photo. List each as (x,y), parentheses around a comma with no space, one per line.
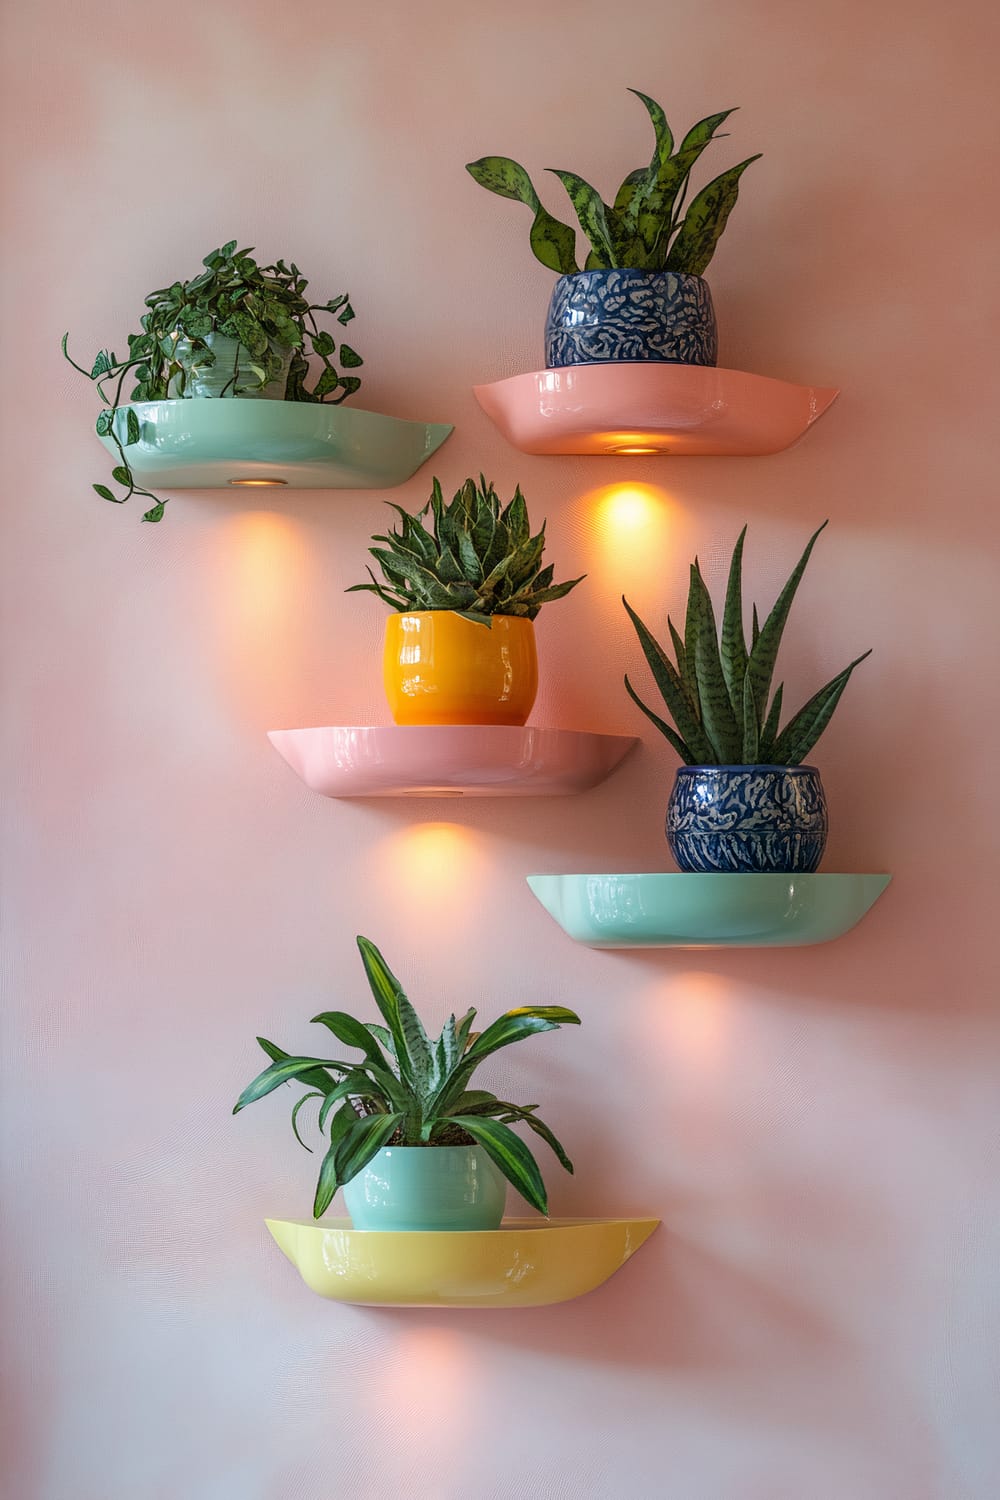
(264,308)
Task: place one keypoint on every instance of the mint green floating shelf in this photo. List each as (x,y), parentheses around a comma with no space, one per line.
(706,911)
(212,444)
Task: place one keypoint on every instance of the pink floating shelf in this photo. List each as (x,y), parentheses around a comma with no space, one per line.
(455,760)
(646,409)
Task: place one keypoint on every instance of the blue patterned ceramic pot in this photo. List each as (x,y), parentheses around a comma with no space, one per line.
(747,819)
(600,316)
(427,1187)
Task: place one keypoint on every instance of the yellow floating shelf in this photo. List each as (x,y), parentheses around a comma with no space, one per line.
(524,1263)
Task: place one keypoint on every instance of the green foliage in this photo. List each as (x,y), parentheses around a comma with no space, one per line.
(263,307)
(646,227)
(408,1090)
(717,689)
(477,558)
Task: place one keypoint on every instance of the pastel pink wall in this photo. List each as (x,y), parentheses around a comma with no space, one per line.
(817,1319)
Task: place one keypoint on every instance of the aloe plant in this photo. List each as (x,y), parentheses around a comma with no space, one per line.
(478,558)
(719,692)
(407,1090)
(646,226)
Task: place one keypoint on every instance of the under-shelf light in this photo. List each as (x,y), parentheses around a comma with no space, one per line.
(258,483)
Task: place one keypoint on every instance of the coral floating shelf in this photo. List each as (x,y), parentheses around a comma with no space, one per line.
(449,760)
(525,1263)
(210,444)
(706,911)
(650,408)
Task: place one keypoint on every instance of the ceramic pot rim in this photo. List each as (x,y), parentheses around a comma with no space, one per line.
(763,766)
(632,271)
(422,614)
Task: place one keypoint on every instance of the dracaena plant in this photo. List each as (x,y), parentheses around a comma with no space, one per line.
(477,557)
(718,689)
(407,1090)
(646,227)
(264,308)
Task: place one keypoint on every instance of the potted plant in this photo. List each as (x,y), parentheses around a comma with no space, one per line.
(743,800)
(460,645)
(410,1143)
(641,294)
(236,329)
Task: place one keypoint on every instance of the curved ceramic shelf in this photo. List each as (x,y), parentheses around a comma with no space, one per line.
(650,408)
(449,760)
(706,911)
(525,1263)
(206,444)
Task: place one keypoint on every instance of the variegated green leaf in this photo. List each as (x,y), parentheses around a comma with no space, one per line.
(510,1154)
(717,718)
(413,1050)
(769,733)
(705,220)
(672,690)
(733,648)
(765,649)
(801,733)
(748,719)
(592,212)
(665,729)
(278,1073)
(552,241)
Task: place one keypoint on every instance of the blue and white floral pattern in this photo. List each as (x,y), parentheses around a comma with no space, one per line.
(749,819)
(627,314)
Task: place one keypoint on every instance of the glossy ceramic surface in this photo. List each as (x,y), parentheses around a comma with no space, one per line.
(525,1263)
(232,375)
(427,1188)
(305,445)
(706,911)
(747,820)
(684,410)
(628,314)
(439,668)
(458,760)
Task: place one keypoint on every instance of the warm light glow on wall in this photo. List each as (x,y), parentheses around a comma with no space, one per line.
(631,531)
(426,1383)
(263,572)
(695,1020)
(430,866)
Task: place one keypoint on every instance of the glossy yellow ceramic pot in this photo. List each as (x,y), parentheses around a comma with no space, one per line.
(442,669)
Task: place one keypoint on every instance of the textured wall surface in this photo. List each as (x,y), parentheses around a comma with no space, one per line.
(817,1318)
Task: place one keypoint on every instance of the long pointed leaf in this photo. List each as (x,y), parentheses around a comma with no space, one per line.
(592,212)
(801,733)
(552,241)
(751,729)
(413,1050)
(277,1074)
(733,649)
(328,1182)
(510,1154)
(668,733)
(769,733)
(346,1029)
(319,1079)
(362,1141)
(515,1025)
(295,1116)
(765,648)
(717,718)
(672,690)
(705,220)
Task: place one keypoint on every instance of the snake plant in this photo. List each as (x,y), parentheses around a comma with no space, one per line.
(407,1090)
(264,308)
(646,226)
(478,558)
(717,690)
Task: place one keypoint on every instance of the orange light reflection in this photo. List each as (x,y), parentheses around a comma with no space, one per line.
(426,1383)
(430,867)
(632,530)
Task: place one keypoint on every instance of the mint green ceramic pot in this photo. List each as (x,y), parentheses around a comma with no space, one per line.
(234,373)
(427,1187)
